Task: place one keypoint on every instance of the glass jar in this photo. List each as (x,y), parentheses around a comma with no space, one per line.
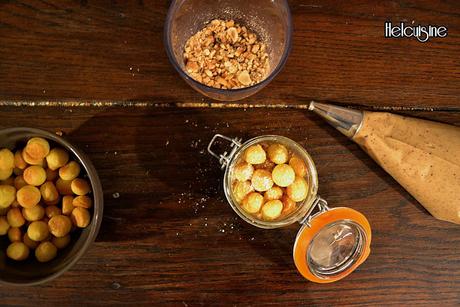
(331,243)
(269,19)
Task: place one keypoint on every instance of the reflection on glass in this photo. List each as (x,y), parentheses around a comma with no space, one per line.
(335,247)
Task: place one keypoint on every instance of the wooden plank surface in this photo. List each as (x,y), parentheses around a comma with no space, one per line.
(172,238)
(112,50)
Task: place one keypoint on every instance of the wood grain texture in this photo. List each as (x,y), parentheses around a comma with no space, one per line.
(113,50)
(171,237)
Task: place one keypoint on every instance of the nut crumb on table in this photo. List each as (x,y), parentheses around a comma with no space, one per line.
(226,55)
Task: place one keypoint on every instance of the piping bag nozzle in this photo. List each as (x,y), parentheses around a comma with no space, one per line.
(347,121)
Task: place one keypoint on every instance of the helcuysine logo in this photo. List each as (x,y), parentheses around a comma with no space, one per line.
(419,32)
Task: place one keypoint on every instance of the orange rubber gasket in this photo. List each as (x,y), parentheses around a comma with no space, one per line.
(307,233)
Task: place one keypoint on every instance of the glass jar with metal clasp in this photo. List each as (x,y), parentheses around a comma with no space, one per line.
(331,242)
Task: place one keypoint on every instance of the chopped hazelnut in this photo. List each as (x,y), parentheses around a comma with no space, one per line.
(207,55)
(244,77)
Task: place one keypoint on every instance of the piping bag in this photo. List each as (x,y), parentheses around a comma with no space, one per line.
(422,155)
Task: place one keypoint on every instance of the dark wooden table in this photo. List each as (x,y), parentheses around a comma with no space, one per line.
(170,237)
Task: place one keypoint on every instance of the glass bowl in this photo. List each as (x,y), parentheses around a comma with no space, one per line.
(269,19)
(31,272)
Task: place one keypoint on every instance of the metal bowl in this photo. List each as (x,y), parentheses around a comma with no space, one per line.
(32,272)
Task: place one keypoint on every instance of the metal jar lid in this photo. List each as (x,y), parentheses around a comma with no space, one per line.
(331,243)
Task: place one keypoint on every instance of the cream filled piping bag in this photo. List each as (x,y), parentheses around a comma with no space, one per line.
(423,156)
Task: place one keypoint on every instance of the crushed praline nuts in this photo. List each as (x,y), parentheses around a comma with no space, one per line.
(226,55)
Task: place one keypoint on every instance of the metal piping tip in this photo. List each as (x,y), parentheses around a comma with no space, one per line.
(347,121)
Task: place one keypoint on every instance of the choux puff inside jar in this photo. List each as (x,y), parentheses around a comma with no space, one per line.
(271,181)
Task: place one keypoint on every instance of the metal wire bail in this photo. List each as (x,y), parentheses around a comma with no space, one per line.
(225,158)
(320,204)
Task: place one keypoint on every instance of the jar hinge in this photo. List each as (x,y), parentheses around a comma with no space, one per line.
(225,158)
(320,204)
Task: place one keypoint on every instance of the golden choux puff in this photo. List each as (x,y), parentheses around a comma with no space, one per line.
(34,175)
(70,171)
(80,186)
(243,171)
(261,180)
(61,242)
(252,202)
(37,148)
(19,160)
(52,211)
(45,252)
(38,231)
(15,218)
(288,205)
(19,182)
(67,205)
(80,217)
(82,201)
(15,234)
(272,209)
(299,166)
(241,189)
(34,213)
(58,157)
(4,226)
(30,161)
(7,195)
(64,186)
(298,190)
(29,242)
(255,154)
(28,196)
(49,193)
(6,159)
(51,175)
(273,193)
(17,251)
(59,225)
(278,153)
(6,173)
(283,175)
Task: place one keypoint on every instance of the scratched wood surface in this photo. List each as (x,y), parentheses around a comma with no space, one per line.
(113,50)
(171,237)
